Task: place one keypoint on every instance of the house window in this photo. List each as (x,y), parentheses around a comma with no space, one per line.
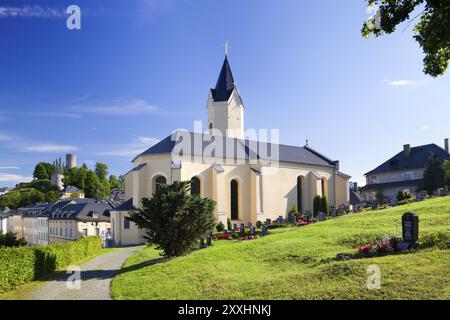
(195,186)
(70,233)
(97,232)
(126,223)
(234,200)
(374,179)
(408,176)
(60,232)
(299,193)
(85,232)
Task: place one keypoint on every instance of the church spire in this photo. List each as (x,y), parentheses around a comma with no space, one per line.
(225,83)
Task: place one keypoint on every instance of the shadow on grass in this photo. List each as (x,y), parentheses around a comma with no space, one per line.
(106,274)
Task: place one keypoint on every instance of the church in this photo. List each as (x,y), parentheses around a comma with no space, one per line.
(250,180)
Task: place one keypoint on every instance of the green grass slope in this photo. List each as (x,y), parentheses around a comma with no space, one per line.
(294,263)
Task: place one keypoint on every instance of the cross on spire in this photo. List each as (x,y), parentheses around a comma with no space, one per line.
(227,47)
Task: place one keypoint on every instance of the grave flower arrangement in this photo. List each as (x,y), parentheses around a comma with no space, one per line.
(383,246)
(247,238)
(223,236)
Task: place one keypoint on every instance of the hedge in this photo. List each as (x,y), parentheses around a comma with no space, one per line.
(19,265)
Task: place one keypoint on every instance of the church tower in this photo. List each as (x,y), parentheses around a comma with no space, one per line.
(225,106)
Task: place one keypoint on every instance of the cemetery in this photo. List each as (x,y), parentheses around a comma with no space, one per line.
(318,261)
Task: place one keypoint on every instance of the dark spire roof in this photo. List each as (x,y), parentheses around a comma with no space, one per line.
(225,83)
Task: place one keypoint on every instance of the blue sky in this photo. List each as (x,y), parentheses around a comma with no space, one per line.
(139,69)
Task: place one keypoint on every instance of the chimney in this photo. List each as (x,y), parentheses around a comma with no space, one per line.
(407,150)
(446,146)
(336,165)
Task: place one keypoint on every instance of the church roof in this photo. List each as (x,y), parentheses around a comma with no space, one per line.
(225,84)
(251,149)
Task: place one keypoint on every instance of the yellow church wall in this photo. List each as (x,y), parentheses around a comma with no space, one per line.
(342,191)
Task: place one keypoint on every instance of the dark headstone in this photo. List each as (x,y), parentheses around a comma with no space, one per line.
(321,216)
(235,226)
(250,224)
(242,226)
(291,219)
(410,227)
(252,231)
(209,239)
(265,230)
(225,231)
(258,224)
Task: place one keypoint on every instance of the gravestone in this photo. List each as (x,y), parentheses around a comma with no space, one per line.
(242,226)
(252,231)
(242,229)
(250,224)
(265,230)
(268,221)
(225,231)
(291,219)
(202,243)
(321,216)
(235,226)
(258,224)
(209,239)
(410,227)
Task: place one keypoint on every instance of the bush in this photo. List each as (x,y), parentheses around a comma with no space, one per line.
(220,227)
(174,219)
(230,226)
(324,205)
(317,204)
(438,240)
(10,240)
(19,265)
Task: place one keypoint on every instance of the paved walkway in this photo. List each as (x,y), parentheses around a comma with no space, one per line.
(96,276)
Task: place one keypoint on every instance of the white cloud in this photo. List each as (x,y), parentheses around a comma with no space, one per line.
(402,83)
(14,178)
(29,11)
(4,137)
(139,145)
(50,148)
(122,108)
(9,168)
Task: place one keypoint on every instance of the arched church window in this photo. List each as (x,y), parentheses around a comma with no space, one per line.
(299,193)
(195,186)
(234,200)
(158,181)
(210,126)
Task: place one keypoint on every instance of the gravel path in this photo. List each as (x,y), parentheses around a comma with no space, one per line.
(96,276)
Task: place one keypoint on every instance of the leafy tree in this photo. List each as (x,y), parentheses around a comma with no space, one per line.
(446,168)
(115,183)
(52,196)
(81,177)
(43,171)
(175,220)
(324,205)
(433,176)
(10,240)
(12,199)
(432,32)
(31,196)
(92,185)
(101,170)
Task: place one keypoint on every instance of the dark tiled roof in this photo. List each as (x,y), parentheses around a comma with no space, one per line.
(396,184)
(84,212)
(251,149)
(72,189)
(418,159)
(225,84)
(126,206)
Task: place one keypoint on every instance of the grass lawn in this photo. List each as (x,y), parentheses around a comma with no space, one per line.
(292,263)
(22,292)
